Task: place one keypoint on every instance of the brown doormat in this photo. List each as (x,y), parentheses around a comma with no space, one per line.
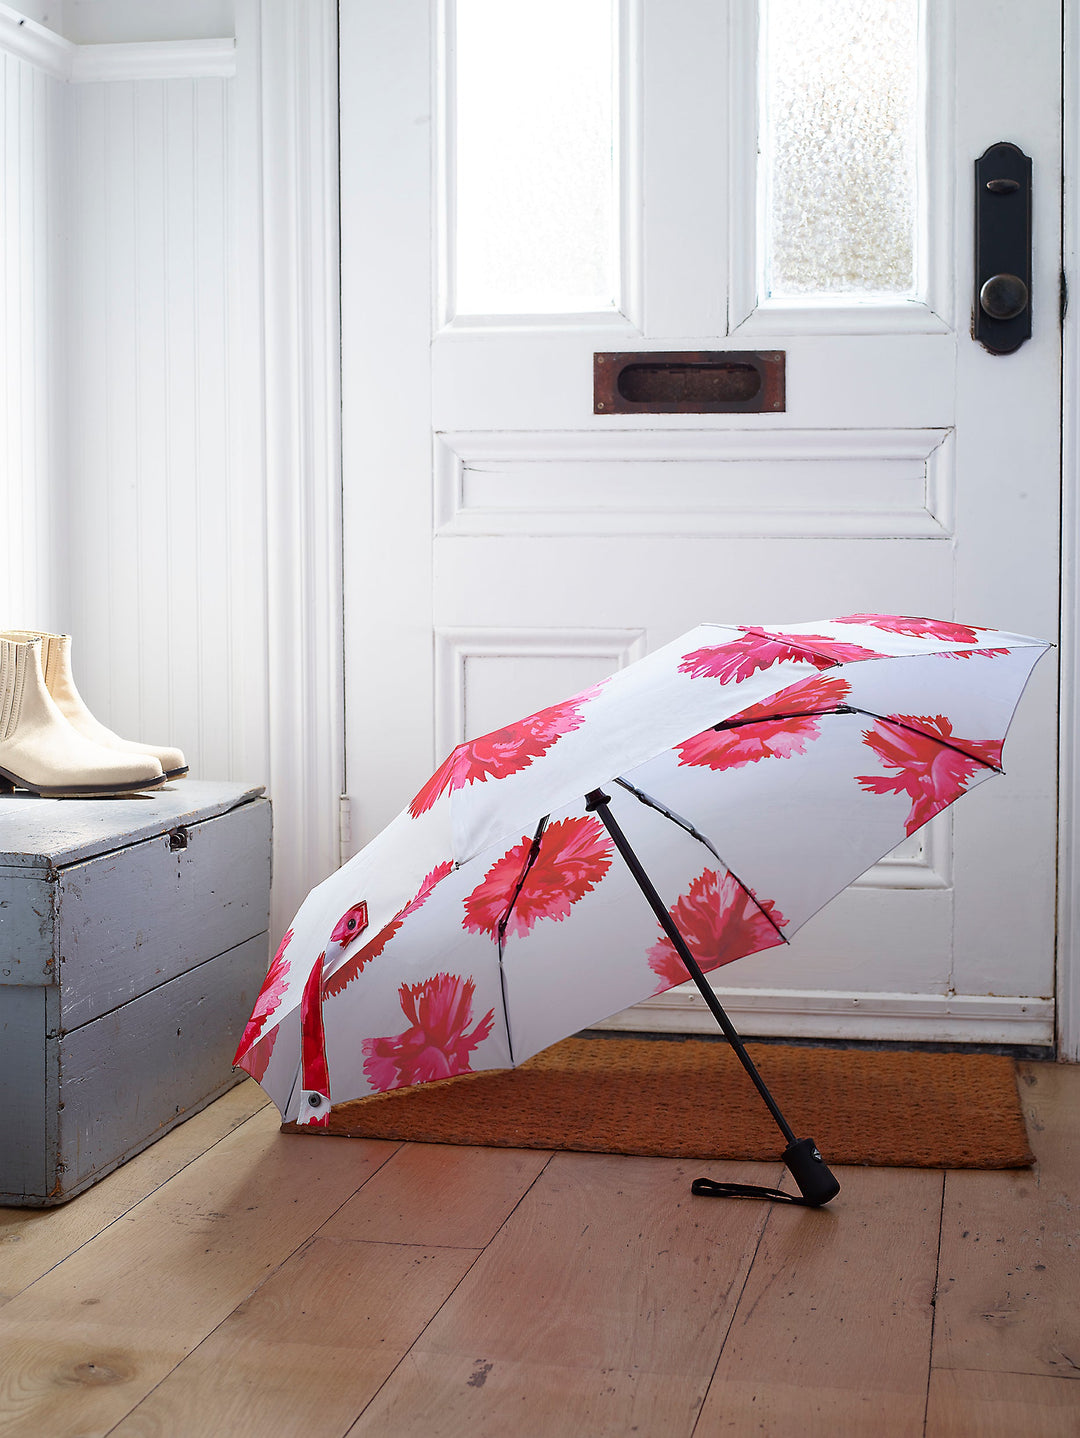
(689,1098)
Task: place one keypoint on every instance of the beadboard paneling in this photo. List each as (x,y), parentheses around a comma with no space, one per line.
(32,125)
(151,463)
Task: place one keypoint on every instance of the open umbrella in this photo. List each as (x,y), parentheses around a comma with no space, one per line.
(694,808)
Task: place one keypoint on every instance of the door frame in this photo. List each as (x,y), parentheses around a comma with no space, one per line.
(1068,945)
(317,495)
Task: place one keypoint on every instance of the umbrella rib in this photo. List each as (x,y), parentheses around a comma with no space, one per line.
(737,723)
(922,733)
(530,860)
(685,824)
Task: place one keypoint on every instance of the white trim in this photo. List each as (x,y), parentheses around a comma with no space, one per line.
(626,313)
(298,62)
(618,647)
(825,1014)
(1068,954)
(930,311)
(824,315)
(142,60)
(27,40)
(155,60)
(932,518)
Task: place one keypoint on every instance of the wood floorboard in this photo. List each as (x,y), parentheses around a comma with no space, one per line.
(1010,1248)
(233,1280)
(33,1240)
(970,1404)
(438,1194)
(832,1332)
(85,1343)
(309,1348)
(601,1305)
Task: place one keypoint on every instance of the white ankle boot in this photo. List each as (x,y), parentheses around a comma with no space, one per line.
(39,749)
(56,667)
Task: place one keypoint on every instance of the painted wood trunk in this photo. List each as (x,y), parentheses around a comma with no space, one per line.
(133,940)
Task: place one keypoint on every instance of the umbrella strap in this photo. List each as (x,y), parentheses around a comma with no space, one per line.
(711,1188)
(806,1166)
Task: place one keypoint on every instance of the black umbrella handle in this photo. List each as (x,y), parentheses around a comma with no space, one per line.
(806,1165)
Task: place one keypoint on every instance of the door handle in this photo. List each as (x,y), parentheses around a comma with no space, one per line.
(1002,315)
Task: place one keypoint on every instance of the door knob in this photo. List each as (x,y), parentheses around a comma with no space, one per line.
(1003,297)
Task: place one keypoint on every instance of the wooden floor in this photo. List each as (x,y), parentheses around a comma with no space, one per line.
(233,1281)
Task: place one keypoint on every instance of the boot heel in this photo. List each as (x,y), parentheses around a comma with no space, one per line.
(6,785)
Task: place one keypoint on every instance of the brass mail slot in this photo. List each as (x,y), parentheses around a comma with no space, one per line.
(689,382)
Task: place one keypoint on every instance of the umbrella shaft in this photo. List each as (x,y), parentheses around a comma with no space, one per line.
(599,803)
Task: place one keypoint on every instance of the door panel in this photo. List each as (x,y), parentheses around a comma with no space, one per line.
(525,544)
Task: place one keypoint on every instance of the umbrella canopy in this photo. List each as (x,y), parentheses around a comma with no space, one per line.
(755,772)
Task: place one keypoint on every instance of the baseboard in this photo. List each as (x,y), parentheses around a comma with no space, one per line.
(826,1014)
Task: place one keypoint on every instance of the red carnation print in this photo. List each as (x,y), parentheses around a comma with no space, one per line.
(755,650)
(756,733)
(720,921)
(917,628)
(506,751)
(257,1059)
(269,997)
(351,925)
(374,947)
(926,629)
(437,1043)
(436,876)
(932,773)
(574,856)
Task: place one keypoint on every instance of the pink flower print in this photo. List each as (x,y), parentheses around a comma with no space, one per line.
(437,1044)
(257,1059)
(926,629)
(932,771)
(757,733)
(268,999)
(755,650)
(918,628)
(358,962)
(506,751)
(351,925)
(574,856)
(720,921)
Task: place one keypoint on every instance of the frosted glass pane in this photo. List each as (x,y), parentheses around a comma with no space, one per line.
(534,174)
(841,87)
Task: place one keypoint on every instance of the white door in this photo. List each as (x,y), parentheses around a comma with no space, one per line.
(526,187)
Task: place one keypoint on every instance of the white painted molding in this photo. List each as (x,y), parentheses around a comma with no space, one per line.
(454,647)
(142,60)
(1068,952)
(155,60)
(822,316)
(752,317)
(27,40)
(825,1014)
(301,376)
(536,509)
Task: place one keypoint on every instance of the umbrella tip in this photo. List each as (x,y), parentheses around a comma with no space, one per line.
(809,1170)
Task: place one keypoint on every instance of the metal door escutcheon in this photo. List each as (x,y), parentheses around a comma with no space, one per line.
(1002,311)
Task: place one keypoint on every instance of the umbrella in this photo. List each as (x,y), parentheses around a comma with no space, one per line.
(693,808)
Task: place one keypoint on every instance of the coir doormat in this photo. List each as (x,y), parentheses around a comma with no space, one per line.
(690,1098)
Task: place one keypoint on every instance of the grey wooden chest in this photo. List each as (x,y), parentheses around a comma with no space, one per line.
(133,941)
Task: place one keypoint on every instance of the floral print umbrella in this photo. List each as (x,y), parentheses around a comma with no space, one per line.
(755,772)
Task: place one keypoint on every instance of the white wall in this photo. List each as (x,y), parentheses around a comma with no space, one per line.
(32,184)
(169,388)
(153,479)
